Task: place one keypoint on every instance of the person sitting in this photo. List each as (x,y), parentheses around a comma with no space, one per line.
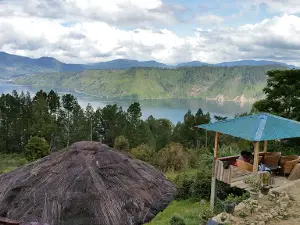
(244,156)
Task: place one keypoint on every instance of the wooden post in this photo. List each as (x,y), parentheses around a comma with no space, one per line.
(256,157)
(265,146)
(213,177)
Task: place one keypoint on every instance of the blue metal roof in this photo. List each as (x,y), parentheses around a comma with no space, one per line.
(257,127)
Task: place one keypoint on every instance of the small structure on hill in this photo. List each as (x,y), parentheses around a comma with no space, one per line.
(256,128)
(88,184)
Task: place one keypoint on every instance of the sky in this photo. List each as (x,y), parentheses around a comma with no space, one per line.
(168,31)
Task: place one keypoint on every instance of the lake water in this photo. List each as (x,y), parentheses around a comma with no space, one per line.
(172,109)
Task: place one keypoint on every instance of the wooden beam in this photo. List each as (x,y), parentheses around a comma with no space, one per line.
(213,177)
(265,146)
(256,157)
(216,150)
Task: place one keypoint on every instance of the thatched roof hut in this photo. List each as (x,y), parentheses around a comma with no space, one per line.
(90,184)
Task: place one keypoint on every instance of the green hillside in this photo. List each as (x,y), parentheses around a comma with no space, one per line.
(155,83)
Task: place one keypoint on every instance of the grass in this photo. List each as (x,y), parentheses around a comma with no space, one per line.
(9,162)
(187,209)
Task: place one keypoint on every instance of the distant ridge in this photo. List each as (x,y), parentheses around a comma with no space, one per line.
(192,64)
(125,64)
(14,65)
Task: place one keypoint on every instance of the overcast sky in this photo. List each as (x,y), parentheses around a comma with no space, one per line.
(168,31)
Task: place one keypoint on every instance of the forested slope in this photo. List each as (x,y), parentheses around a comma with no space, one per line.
(157,83)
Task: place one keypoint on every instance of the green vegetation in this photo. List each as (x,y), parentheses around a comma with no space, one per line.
(155,83)
(188,210)
(179,150)
(36,148)
(9,162)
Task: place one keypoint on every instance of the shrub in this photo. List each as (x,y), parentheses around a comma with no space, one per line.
(177,220)
(142,152)
(231,198)
(193,185)
(36,148)
(121,143)
(173,157)
(205,214)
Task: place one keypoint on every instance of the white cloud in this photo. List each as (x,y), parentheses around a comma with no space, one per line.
(283,6)
(89,41)
(209,19)
(117,12)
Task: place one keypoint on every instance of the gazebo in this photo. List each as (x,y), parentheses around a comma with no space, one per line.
(257,128)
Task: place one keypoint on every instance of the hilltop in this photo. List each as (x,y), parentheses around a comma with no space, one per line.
(15,65)
(240,83)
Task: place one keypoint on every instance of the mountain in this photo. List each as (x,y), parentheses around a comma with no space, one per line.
(13,65)
(252,63)
(192,64)
(221,83)
(123,64)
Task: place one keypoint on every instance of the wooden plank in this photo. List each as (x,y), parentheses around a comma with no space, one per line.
(222,171)
(295,174)
(213,179)
(256,157)
(216,150)
(265,146)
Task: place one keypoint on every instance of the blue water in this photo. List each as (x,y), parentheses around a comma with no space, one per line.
(172,109)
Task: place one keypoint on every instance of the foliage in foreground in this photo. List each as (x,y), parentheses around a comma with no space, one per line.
(187,209)
(36,148)
(9,162)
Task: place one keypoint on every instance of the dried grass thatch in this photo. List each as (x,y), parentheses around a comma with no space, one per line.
(87,185)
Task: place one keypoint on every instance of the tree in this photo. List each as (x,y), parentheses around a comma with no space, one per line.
(110,123)
(173,157)
(188,133)
(121,143)
(282,94)
(69,102)
(36,148)
(89,112)
(143,152)
(161,130)
(53,101)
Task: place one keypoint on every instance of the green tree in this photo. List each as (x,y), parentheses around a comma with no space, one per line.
(36,148)
(161,130)
(173,157)
(282,94)
(188,133)
(69,103)
(53,101)
(89,113)
(110,123)
(143,152)
(121,143)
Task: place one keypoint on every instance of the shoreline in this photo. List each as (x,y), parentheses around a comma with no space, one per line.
(219,98)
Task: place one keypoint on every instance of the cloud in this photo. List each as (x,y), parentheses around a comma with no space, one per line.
(115,12)
(282,6)
(209,19)
(36,33)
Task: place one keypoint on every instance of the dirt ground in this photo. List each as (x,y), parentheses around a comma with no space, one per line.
(294,210)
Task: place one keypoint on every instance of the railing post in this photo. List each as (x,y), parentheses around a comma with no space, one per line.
(256,156)
(213,177)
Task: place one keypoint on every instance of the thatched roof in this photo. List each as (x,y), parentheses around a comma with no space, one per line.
(90,184)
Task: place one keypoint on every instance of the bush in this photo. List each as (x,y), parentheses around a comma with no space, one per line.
(173,157)
(121,143)
(177,220)
(142,152)
(205,214)
(36,148)
(193,185)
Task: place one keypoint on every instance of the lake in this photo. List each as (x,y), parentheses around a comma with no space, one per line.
(172,109)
